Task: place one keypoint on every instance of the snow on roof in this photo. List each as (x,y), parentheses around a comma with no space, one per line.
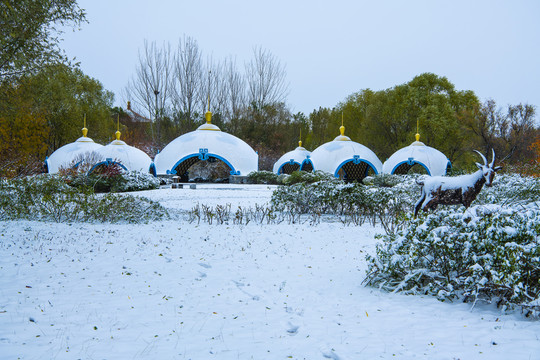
(208,141)
(296,156)
(330,157)
(64,156)
(127,156)
(434,161)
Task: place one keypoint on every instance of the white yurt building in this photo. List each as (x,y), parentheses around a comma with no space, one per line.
(207,143)
(127,157)
(417,154)
(344,158)
(71,155)
(291,161)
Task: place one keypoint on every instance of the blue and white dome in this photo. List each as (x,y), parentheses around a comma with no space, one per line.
(432,160)
(292,160)
(70,155)
(128,157)
(208,142)
(344,158)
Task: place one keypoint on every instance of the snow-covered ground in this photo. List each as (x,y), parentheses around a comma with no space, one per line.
(175,290)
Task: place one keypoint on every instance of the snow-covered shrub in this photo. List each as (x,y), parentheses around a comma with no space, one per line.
(263,177)
(114,179)
(49,198)
(137,181)
(510,189)
(384,180)
(307,177)
(352,203)
(488,253)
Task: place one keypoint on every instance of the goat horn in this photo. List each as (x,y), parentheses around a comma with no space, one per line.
(483,157)
(492,161)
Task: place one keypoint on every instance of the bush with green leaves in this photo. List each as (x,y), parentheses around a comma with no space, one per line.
(352,202)
(264,177)
(487,253)
(307,177)
(112,179)
(49,198)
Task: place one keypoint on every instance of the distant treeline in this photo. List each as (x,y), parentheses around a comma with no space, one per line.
(44,99)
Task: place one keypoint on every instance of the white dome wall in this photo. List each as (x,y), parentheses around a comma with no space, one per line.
(434,161)
(203,143)
(296,156)
(64,156)
(331,156)
(129,157)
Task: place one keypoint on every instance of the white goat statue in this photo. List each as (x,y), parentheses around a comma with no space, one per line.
(455,190)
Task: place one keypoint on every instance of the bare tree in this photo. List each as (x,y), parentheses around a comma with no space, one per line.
(214,89)
(187,78)
(150,88)
(265,77)
(235,85)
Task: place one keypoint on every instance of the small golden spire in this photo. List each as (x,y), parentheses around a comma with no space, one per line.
(300,140)
(208,117)
(118,133)
(208,114)
(84,129)
(417,132)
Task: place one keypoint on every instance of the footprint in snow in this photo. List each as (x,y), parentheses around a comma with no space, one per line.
(240,286)
(206,266)
(330,354)
(292,329)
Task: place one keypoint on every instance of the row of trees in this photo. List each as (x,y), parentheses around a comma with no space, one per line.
(455,122)
(175,87)
(44,98)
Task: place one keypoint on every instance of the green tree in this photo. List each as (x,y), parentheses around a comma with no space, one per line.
(386,120)
(23,133)
(64,95)
(29,34)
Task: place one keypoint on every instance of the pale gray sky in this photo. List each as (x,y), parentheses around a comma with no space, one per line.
(330,48)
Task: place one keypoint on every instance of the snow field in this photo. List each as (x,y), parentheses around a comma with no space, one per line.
(175,290)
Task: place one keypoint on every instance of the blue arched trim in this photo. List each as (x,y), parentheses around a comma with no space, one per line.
(355,160)
(152,169)
(307,161)
(411,163)
(292,162)
(448,166)
(203,155)
(107,162)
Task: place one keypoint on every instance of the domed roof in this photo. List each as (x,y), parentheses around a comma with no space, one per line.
(333,155)
(129,157)
(65,156)
(434,161)
(206,142)
(296,156)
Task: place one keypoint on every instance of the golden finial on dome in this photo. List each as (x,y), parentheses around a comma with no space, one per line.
(342,128)
(342,137)
(417,132)
(208,114)
(118,133)
(300,140)
(84,129)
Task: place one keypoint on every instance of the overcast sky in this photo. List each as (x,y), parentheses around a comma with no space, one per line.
(330,49)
